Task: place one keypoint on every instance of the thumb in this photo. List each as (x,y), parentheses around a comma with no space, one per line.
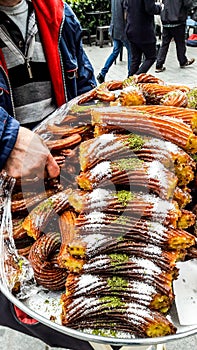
(52,167)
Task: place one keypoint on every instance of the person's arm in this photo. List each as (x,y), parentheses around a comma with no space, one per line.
(23,153)
(153,8)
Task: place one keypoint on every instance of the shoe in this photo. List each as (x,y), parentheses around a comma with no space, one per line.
(188,63)
(159,70)
(100,78)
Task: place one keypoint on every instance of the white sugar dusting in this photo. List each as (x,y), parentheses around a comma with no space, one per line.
(94,220)
(98,198)
(138,312)
(101,170)
(100,141)
(149,266)
(143,288)
(161,207)
(157,171)
(153,249)
(85,283)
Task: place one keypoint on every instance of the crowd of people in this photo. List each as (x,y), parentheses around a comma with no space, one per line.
(139,20)
(42,66)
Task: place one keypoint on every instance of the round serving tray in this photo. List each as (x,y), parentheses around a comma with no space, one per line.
(31,308)
(50,302)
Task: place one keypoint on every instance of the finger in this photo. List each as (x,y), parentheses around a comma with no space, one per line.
(52,167)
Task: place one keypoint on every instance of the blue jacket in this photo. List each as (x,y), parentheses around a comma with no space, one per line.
(70,69)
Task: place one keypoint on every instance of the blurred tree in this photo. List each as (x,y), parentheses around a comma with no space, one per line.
(81,7)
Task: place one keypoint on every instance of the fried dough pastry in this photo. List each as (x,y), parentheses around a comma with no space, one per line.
(155,92)
(188,115)
(24,201)
(104,94)
(131,96)
(130,289)
(110,147)
(186,219)
(42,257)
(192,98)
(23,245)
(38,218)
(132,317)
(18,231)
(63,143)
(132,203)
(183,88)
(175,98)
(65,131)
(170,129)
(182,196)
(129,227)
(142,78)
(67,226)
(151,177)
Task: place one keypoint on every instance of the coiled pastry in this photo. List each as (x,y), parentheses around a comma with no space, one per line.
(42,257)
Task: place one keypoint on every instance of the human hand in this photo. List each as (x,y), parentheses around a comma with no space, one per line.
(30,157)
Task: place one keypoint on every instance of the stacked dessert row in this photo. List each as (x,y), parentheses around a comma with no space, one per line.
(109,231)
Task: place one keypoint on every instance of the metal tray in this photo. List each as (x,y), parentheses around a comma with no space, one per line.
(45,305)
(34,307)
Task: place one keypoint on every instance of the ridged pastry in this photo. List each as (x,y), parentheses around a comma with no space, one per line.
(142,78)
(182,196)
(137,204)
(151,177)
(111,147)
(175,98)
(170,129)
(67,226)
(155,92)
(19,203)
(188,115)
(42,257)
(134,291)
(97,234)
(38,218)
(131,317)
(131,96)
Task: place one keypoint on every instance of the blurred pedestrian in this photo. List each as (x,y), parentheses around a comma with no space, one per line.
(174,17)
(140,31)
(117,33)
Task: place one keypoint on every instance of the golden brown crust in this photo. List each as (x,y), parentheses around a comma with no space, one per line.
(38,218)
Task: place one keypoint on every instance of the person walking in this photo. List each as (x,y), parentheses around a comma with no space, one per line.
(117,33)
(42,66)
(140,31)
(174,17)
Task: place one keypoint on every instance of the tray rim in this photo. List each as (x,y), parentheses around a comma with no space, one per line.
(190,330)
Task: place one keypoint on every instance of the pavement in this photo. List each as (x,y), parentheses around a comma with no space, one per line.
(13,340)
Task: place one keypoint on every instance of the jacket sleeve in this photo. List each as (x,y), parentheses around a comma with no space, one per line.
(188,4)
(79,73)
(152,8)
(8,134)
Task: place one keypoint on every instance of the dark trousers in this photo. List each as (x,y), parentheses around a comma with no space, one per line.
(48,335)
(178,33)
(143,57)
